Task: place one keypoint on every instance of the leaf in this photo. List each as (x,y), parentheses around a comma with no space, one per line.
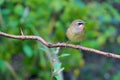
(27,50)
(42,49)
(42,61)
(57,4)
(57,66)
(2,65)
(58,77)
(118,39)
(117,76)
(64,55)
(19,9)
(60,70)
(1,2)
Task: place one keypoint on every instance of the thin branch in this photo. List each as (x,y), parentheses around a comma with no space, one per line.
(9,66)
(50,45)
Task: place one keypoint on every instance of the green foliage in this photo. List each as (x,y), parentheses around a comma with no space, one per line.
(116,77)
(64,55)
(58,78)
(27,50)
(57,66)
(118,39)
(50,19)
(69,60)
(1,2)
(18,10)
(2,66)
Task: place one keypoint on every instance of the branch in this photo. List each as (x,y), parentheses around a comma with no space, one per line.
(50,45)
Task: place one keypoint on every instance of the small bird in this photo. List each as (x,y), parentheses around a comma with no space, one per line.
(75,32)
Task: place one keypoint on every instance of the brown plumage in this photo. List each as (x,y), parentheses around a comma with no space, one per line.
(75,32)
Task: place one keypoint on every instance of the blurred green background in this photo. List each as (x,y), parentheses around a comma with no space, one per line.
(29,60)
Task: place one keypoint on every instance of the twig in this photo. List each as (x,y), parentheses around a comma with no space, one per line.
(12,70)
(50,45)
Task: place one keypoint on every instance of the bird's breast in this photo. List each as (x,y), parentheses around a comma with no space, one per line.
(73,36)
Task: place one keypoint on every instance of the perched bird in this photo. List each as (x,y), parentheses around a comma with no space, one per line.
(75,32)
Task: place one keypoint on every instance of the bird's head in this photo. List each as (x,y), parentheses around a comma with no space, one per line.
(78,25)
(75,32)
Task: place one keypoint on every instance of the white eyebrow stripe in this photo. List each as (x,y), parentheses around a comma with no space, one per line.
(79,22)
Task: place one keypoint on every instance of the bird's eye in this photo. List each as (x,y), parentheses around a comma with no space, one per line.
(80,23)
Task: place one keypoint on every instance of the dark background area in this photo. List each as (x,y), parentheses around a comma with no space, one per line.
(27,59)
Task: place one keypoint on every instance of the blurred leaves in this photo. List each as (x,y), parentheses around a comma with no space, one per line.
(64,55)
(27,50)
(75,61)
(2,66)
(18,10)
(58,78)
(118,39)
(57,66)
(50,19)
(1,2)
(116,77)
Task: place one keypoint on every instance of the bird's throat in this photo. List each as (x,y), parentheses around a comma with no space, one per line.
(81,27)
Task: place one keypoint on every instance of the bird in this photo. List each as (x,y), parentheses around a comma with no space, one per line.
(75,31)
